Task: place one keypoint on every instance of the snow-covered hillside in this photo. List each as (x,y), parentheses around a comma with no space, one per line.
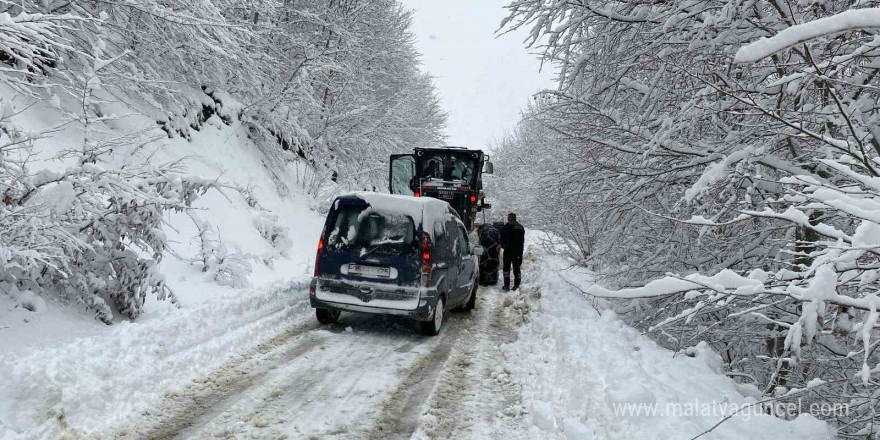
(246,220)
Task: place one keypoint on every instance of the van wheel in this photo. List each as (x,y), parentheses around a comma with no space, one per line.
(472,301)
(432,327)
(326,316)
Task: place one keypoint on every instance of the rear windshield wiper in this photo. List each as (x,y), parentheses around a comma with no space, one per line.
(373,249)
(376,247)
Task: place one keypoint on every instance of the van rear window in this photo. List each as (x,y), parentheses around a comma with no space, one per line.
(369,231)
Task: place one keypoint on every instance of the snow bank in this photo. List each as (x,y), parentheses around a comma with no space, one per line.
(103,380)
(586,375)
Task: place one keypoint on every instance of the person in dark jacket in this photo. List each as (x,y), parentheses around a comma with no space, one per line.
(513,237)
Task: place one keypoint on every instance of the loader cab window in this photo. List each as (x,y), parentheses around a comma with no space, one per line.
(462,168)
(432,168)
(400,179)
(448,166)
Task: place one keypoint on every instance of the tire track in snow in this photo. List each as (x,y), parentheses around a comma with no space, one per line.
(474,395)
(399,414)
(327,393)
(276,389)
(181,413)
(442,370)
(459,382)
(467,398)
(282,311)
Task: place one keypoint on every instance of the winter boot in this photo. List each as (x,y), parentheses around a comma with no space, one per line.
(506,282)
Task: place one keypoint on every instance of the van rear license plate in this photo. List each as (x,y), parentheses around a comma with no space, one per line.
(369,271)
(447,195)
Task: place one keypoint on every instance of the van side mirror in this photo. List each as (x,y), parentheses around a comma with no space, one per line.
(490,168)
(478,250)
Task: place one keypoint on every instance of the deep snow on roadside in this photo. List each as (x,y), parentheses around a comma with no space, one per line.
(91,383)
(575,365)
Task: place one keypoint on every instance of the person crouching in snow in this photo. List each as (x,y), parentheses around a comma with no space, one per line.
(513,237)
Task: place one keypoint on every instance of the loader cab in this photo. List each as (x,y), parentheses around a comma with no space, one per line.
(452,174)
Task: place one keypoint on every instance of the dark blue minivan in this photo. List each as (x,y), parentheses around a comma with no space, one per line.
(394,255)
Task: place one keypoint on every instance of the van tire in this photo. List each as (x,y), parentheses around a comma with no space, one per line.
(472,301)
(326,316)
(432,327)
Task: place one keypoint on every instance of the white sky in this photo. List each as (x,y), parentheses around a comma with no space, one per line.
(484,81)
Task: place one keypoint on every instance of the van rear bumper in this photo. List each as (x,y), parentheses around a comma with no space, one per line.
(422,313)
(422,309)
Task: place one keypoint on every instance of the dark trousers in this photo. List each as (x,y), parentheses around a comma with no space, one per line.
(516,262)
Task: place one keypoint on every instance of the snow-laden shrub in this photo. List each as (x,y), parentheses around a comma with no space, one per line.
(808,331)
(209,242)
(25,299)
(31,45)
(276,234)
(90,234)
(231,267)
(228,267)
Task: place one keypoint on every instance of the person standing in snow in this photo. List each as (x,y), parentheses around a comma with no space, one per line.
(513,237)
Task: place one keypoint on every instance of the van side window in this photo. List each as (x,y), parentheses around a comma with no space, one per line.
(462,241)
(453,236)
(441,240)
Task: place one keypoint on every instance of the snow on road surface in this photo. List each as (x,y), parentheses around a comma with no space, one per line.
(93,382)
(540,363)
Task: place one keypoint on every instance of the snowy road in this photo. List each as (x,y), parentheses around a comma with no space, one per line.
(538,364)
(366,377)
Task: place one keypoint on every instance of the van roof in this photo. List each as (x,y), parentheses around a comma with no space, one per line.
(424,209)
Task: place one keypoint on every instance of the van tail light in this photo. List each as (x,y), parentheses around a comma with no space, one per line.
(473,197)
(426,259)
(417,193)
(313,285)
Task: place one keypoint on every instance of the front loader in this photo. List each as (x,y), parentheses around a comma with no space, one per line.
(452,174)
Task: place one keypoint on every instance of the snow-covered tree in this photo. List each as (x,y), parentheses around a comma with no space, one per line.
(735,140)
